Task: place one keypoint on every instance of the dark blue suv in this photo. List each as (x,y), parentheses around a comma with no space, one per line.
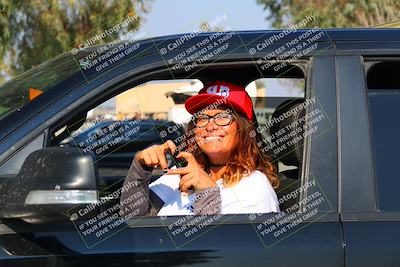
(336,155)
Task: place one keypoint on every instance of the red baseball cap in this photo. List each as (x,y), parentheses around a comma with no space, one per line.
(221,94)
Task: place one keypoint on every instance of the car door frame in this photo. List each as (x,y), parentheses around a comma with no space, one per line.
(365,228)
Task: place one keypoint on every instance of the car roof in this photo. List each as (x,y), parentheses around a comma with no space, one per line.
(338,35)
(249,36)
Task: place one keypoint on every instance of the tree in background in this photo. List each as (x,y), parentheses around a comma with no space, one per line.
(332,13)
(33,31)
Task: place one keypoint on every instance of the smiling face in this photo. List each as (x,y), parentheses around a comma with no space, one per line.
(214,140)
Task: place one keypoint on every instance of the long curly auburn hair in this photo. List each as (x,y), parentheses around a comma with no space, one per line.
(245,158)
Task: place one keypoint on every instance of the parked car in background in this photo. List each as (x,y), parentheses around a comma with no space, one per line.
(116,142)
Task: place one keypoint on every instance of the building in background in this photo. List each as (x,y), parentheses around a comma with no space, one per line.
(149,100)
(164,100)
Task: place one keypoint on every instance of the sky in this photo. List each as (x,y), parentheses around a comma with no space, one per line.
(178,16)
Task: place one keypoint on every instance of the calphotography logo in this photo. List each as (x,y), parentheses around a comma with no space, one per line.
(220,90)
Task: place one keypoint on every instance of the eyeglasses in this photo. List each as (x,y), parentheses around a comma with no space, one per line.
(220,119)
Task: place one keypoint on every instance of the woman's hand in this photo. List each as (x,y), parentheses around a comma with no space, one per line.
(155,155)
(192,175)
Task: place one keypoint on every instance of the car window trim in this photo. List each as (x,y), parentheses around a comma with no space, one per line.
(121,83)
(371,216)
(144,78)
(227,219)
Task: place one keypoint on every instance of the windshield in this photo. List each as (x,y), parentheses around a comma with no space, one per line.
(24,88)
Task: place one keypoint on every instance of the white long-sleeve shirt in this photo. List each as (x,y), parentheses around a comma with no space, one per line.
(252,194)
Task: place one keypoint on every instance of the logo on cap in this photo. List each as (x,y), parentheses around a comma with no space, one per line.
(220,90)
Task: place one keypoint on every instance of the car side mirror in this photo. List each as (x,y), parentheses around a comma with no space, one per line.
(51,181)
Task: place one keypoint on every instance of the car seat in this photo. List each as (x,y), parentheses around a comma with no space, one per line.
(292,155)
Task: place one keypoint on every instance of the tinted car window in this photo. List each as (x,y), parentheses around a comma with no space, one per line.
(22,90)
(384,108)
